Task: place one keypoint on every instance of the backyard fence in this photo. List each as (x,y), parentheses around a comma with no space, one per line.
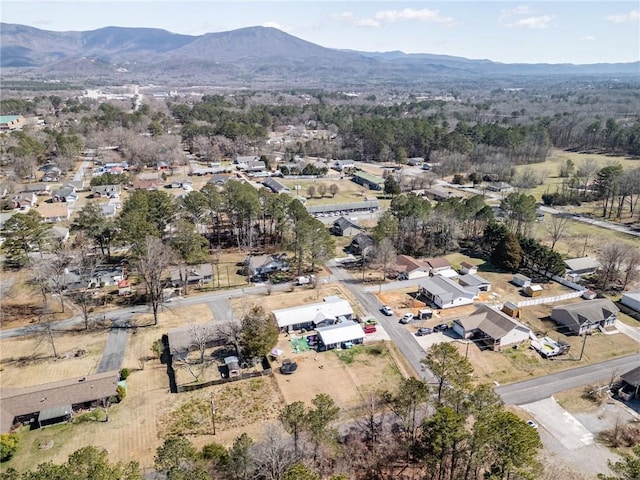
(557,298)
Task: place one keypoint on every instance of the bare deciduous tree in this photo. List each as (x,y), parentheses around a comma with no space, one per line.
(152,264)
(273,456)
(557,228)
(201,336)
(384,253)
(631,270)
(611,258)
(231,332)
(322,189)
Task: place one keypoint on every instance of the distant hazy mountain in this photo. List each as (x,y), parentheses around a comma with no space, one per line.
(248,55)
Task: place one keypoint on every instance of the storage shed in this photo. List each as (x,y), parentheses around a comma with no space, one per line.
(533,290)
(521,280)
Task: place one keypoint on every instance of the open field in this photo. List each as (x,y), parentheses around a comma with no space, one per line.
(558,158)
(349,191)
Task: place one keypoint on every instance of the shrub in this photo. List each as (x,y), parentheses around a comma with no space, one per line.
(122,393)
(8,446)
(124,373)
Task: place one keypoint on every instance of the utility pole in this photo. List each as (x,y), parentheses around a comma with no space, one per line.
(213,413)
(584,342)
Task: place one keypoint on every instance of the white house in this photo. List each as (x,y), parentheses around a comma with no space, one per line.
(442,267)
(468,268)
(491,327)
(340,334)
(631,300)
(410,268)
(329,311)
(473,281)
(445,293)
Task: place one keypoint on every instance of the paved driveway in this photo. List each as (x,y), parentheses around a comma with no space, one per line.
(561,424)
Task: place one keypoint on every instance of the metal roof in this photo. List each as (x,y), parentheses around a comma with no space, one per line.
(340,332)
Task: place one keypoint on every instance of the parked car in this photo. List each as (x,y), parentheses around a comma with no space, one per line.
(424,331)
(440,328)
(370,329)
(406,318)
(387,310)
(532,424)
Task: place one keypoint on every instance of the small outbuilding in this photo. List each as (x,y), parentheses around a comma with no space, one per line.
(233,366)
(521,280)
(630,388)
(511,309)
(468,268)
(533,290)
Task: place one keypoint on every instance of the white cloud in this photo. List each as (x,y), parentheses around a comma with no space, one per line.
(390,16)
(519,10)
(534,23)
(588,38)
(282,28)
(632,16)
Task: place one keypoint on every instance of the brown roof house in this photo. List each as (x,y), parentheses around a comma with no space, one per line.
(492,327)
(583,317)
(55,402)
(409,268)
(54,212)
(441,266)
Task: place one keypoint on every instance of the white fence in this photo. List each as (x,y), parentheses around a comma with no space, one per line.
(557,298)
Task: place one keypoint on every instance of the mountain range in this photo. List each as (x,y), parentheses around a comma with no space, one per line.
(252,55)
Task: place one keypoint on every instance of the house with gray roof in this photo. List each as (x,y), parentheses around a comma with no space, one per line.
(581,266)
(473,280)
(630,388)
(631,300)
(345,227)
(445,293)
(64,194)
(275,186)
(492,328)
(54,402)
(583,317)
(106,191)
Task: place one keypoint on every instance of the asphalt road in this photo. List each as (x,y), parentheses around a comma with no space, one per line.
(543,387)
(403,339)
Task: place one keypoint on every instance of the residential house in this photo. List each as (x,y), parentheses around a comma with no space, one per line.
(439,193)
(409,268)
(37,188)
(441,266)
(415,161)
(64,194)
(52,175)
(631,300)
(445,293)
(265,264)
(499,187)
(54,212)
(307,317)
(219,180)
(630,387)
(533,290)
(106,191)
(473,281)
(24,200)
(195,274)
(368,206)
(345,227)
(145,185)
(343,334)
(362,244)
(368,180)
(583,317)
(124,287)
(80,185)
(245,159)
(342,165)
(50,403)
(576,267)
(492,328)
(521,280)
(275,185)
(468,268)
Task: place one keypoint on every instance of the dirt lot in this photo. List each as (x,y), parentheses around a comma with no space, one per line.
(346,375)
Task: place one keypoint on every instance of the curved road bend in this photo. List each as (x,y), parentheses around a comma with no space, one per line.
(543,387)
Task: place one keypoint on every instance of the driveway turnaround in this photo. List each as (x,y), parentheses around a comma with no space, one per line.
(561,424)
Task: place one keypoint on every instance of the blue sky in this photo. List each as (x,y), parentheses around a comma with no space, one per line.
(504,31)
